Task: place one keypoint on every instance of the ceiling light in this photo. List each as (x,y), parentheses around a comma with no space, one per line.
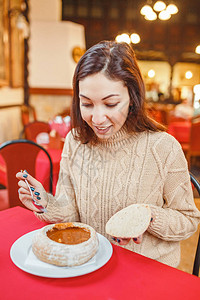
(197,50)
(135,38)
(159,6)
(159,9)
(146,9)
(124,37)
(172,9)
(164,15)
(151,16)
(151,73)
(188,75)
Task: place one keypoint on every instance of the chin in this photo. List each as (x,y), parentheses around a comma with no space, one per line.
(103,137)
(106,136)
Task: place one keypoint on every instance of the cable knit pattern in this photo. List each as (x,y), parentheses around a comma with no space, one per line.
(149,167)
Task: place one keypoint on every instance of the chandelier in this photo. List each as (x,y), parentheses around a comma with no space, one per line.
(159,9)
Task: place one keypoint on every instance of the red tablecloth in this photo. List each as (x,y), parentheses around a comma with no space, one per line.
(42,168)
(61,128)
(127,275)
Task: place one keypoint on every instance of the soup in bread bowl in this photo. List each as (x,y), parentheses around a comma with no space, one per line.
(65,244)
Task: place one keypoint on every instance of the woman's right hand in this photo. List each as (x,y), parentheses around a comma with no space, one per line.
(40,195)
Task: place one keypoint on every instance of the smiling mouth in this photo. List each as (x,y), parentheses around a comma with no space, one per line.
(102,129)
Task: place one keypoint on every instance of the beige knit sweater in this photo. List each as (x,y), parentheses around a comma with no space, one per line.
(97,181)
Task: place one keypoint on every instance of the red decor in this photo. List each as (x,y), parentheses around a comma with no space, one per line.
(42,168)
(61,128)
(181,131)
(194,147)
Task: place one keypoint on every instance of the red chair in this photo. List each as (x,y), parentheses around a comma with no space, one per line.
(31,130)
(28,114)
(194,145)
(196,264)
(181,131)
(173,118)
(19,155)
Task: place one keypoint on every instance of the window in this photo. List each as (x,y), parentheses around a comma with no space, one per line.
(97,9)
(114,10)
(68,8)
(82,8)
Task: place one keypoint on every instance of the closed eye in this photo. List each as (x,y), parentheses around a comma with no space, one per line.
(107,105)
(86,104)
(111,105)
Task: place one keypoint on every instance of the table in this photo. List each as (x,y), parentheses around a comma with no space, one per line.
(127,275)
(61,127)
(42,168)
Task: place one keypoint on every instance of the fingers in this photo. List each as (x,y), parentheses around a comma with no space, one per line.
(138,239)
(38,192)
(26,198)
(22,191)
(32,181)
(23,185)
(152,219)
(121,241)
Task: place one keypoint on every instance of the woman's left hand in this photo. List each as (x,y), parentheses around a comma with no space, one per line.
(125,241)
(122,241)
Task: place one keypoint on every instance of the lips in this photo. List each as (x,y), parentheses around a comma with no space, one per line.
(102,129)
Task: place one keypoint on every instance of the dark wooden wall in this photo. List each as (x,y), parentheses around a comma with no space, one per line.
(173,40)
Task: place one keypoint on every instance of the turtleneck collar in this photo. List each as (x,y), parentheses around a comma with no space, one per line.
(120,138)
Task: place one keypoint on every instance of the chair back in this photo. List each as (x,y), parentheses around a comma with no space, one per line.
(174,118)
(194,144)
(31,130)
(197,254)
(21,155)
(28,114)
(195,137)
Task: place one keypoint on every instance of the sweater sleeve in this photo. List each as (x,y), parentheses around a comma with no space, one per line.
(178,218)
(62,207)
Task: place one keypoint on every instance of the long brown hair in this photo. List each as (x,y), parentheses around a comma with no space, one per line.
(116,61)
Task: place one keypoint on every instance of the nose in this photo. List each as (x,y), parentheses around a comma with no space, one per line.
(98,116)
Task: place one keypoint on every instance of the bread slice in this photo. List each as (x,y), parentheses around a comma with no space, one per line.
(129,222)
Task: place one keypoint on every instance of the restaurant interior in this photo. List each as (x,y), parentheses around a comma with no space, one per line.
(41,43)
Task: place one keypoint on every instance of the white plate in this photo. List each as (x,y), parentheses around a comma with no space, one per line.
(22,247)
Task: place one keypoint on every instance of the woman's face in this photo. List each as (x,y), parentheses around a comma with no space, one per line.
(104,104)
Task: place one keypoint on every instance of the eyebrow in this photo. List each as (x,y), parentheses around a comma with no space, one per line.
(109,96)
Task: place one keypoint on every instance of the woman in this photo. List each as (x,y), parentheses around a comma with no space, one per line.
(116,156)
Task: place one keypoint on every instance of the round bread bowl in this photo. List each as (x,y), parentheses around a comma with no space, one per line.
(60,254)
